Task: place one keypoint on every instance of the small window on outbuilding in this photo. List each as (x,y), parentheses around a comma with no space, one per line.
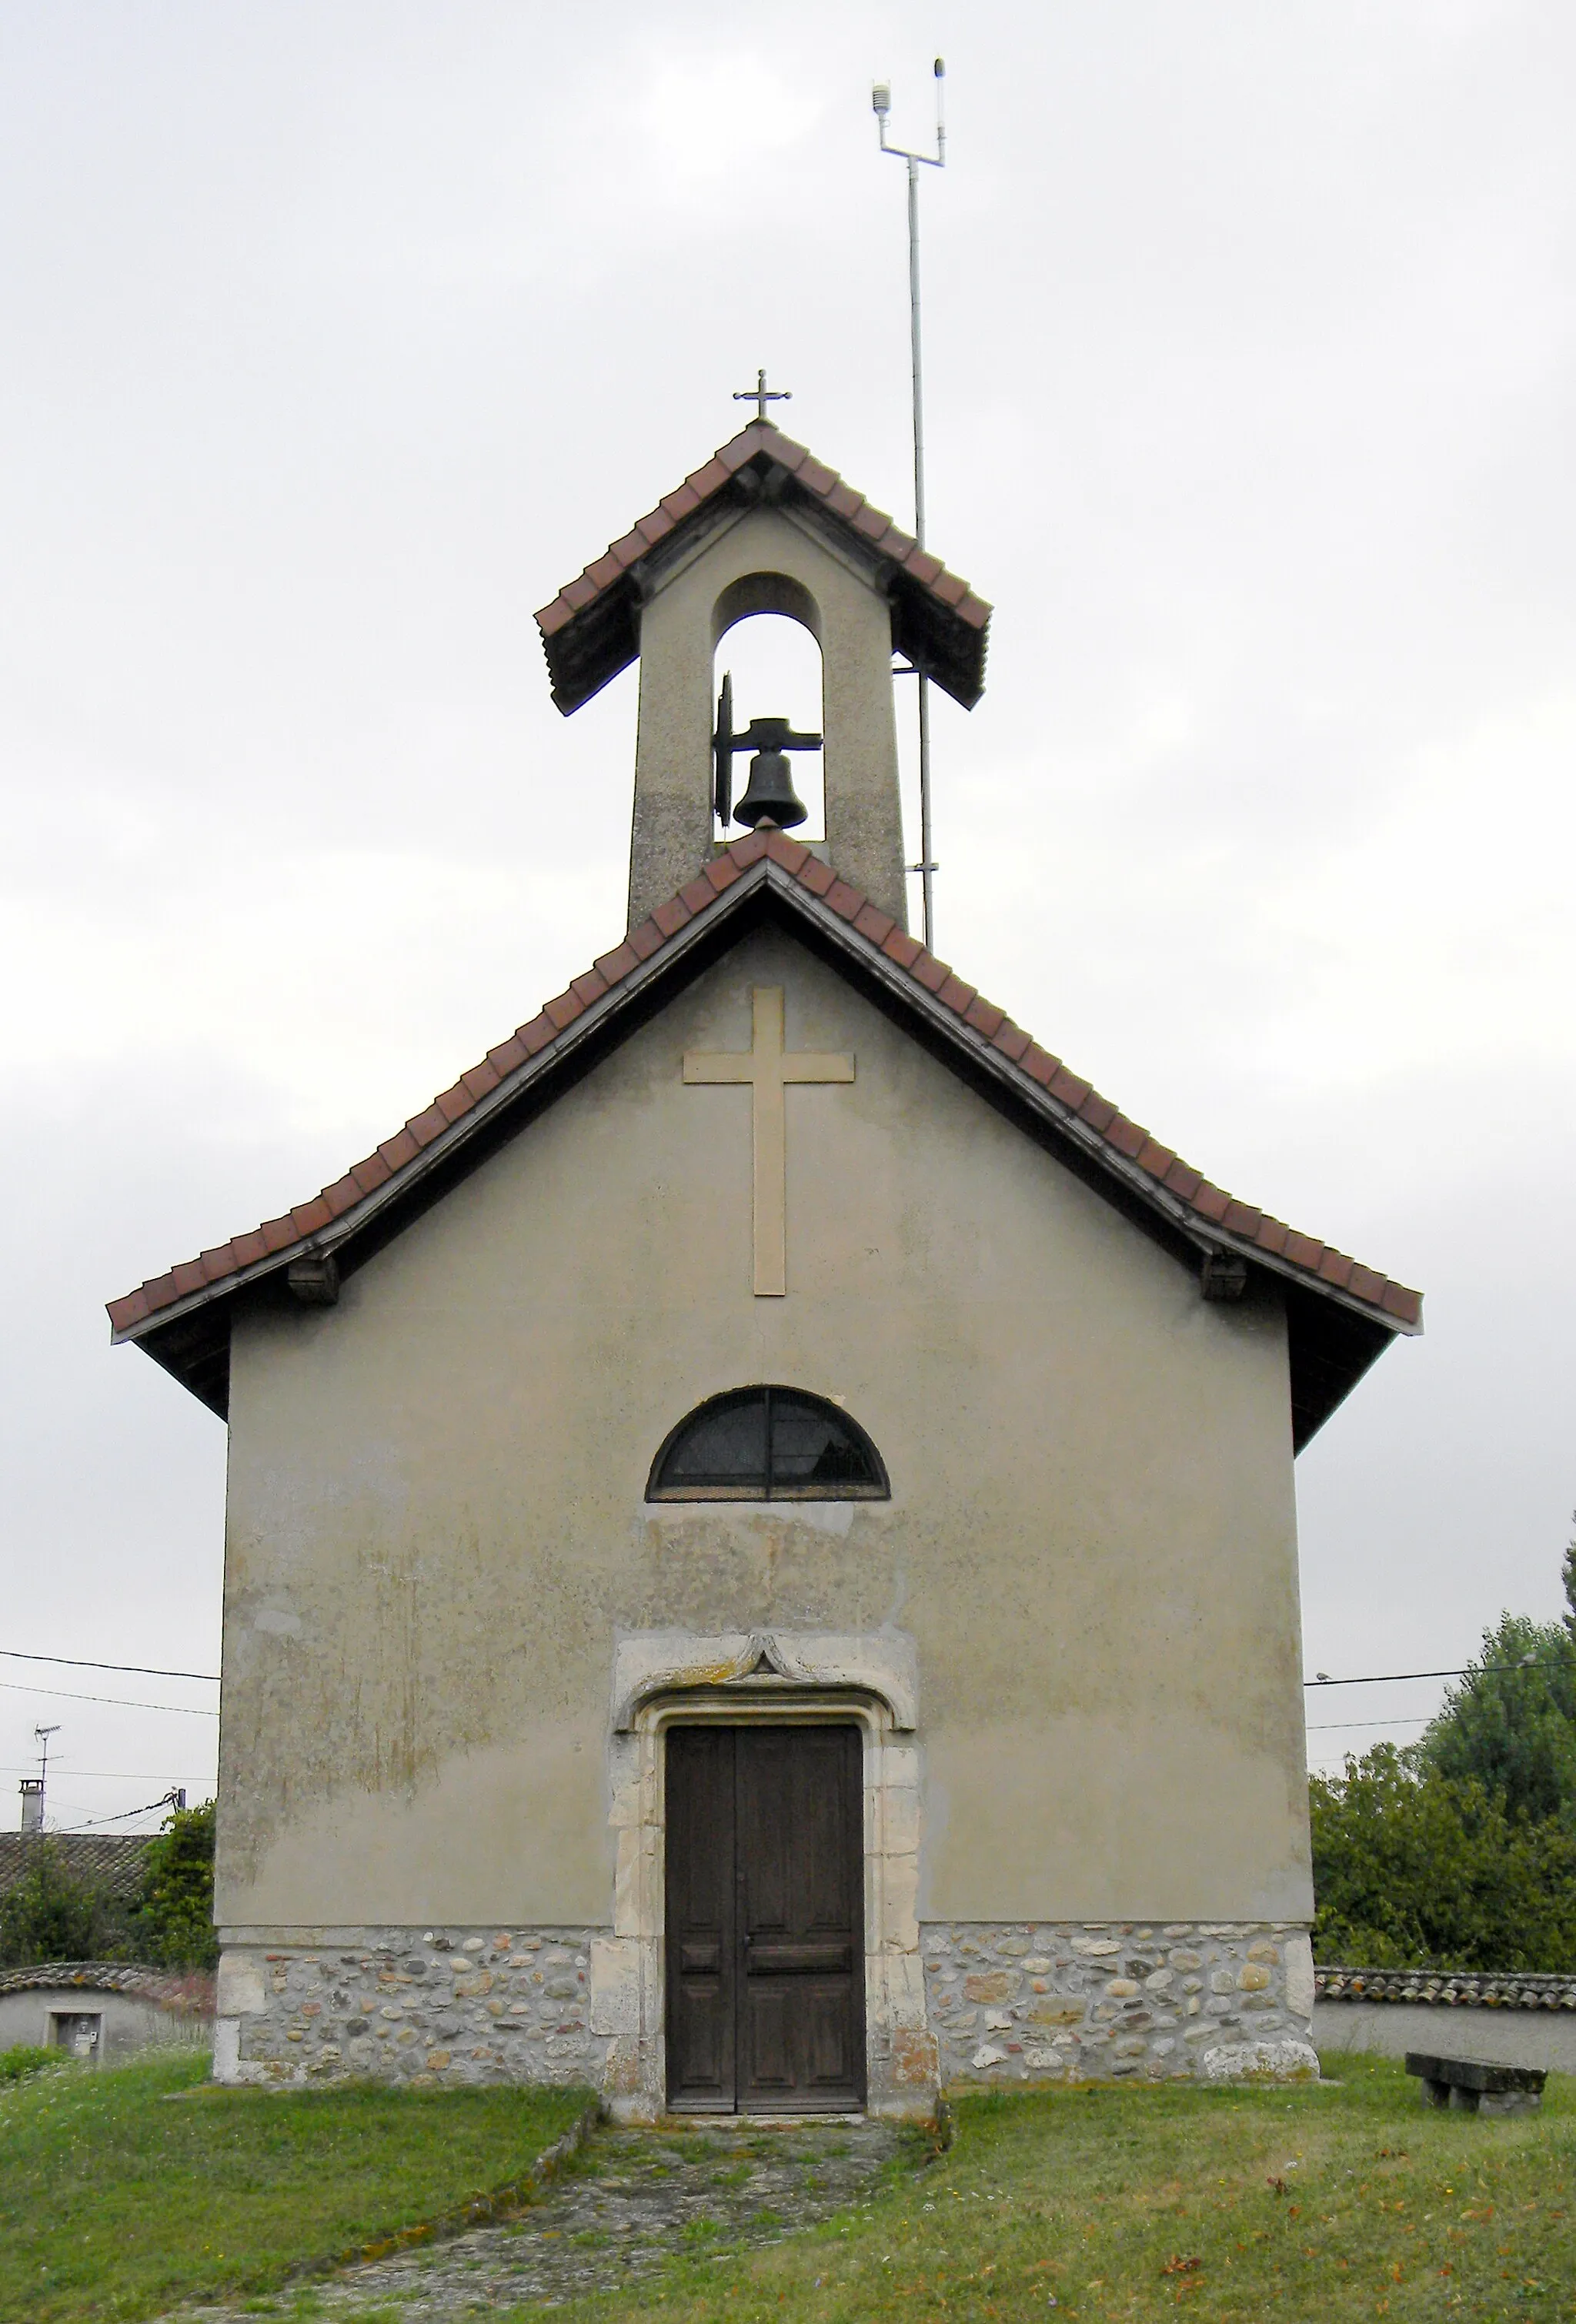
(768,1444)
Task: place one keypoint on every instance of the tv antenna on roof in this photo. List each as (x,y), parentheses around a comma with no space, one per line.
(880,97)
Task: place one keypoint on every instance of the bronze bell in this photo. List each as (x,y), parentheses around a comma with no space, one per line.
(770,793)
(771,797)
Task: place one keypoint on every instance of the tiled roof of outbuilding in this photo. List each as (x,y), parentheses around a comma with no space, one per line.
(184,1993)
(1449,1989)
(590,631)
(1128,1147)
(112,1860)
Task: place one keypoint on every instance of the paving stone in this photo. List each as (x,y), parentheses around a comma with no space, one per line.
(631,2201)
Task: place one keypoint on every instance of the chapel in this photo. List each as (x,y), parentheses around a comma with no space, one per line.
(761,1567)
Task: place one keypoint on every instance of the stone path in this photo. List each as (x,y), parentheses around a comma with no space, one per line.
(633,2200)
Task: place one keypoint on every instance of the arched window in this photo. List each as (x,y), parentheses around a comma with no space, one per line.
(768,1444)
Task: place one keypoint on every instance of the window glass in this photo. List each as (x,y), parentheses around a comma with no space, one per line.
(761,1443)
(812,1444)
(724,1445)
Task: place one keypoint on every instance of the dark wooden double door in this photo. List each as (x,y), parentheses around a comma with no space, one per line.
(765,1922)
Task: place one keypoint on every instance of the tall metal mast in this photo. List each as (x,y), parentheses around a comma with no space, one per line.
(881,105)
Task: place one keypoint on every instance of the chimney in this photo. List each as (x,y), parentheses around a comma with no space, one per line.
(33,1804)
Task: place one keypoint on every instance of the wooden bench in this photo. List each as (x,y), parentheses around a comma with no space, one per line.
(1477,2089)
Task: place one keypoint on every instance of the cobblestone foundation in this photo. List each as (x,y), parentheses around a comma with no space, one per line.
(419,2005)
(1181,2001)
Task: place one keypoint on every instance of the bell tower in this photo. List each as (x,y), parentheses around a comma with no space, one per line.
(763,527)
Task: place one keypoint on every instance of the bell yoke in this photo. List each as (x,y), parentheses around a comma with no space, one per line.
(770,797)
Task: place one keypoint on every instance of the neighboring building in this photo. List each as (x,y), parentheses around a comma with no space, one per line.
(103,2011)
(761,1564)
(110,1862)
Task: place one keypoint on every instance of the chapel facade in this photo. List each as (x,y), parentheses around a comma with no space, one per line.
(760,1562)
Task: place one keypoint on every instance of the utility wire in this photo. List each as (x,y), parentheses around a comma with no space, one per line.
(1468,1670)
(137,1670)
(119,1701)
(125,1816)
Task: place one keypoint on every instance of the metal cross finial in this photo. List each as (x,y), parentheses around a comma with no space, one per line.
(761,395)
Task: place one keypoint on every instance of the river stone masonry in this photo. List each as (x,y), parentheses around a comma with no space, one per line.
(448,2007)
(1101,2001)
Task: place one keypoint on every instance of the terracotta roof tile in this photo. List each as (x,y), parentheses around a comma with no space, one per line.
(614,966)
(563,1009)
(672,915)
(1207,1202)
(950,646)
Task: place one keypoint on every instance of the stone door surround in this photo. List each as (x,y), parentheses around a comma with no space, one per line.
(661,1678)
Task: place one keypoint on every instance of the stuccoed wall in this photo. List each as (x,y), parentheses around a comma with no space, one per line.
(130,2024)
(437,1529)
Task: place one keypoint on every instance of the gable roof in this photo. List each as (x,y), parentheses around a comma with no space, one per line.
(1340,1315)
(592,629)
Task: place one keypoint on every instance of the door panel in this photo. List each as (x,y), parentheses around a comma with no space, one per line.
(701,1937)
(765,1934)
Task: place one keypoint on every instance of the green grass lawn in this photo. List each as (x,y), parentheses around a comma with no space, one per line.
(1313,2206)
(125,2189)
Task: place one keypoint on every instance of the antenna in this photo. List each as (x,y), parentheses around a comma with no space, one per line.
(880,97)
(40,1736)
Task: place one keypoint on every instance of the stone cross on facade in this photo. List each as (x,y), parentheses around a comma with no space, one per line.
(767,1068)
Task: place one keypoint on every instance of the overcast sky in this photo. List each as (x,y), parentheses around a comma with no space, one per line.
(337,336)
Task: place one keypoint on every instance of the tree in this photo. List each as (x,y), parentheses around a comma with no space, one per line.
(1510,1724)
(1568,1576)
(50,1914)
(1413,1868)
(172,1921)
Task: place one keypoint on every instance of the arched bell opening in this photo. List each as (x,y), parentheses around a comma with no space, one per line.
(767,666)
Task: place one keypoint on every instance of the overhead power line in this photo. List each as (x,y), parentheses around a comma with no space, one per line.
(119,1701)
(1468,1670)
(136,1670)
